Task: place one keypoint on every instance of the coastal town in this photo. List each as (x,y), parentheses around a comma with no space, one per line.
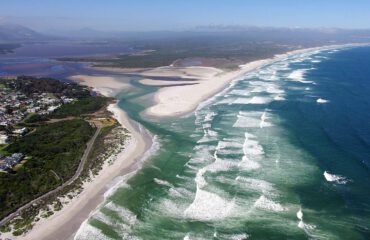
(18,102)
(56,136)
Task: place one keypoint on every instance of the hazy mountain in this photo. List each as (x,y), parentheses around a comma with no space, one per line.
(18,33)
(83,33)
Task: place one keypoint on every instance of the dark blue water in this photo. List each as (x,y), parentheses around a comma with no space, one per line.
(337,134)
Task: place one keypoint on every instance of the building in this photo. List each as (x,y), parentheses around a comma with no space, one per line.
(20,131)
(12,160)
(4,139)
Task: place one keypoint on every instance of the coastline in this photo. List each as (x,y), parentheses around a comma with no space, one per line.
(182,89)
(65,223)
(168,99)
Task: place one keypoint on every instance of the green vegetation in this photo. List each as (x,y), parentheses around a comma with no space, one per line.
(220,51)
(53,150)
(56,149)
(53,87)
(35,118)
(2,149)
(94,163)
(82,106)
(109,141)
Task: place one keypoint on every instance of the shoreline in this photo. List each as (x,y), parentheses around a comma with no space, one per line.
(187,87)
(65,223)
(167,101)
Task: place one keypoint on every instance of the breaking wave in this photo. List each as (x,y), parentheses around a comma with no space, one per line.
(335,178)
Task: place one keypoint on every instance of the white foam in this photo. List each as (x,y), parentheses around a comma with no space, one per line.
(239,92)
(103,218)
(306,227)
(263,122)
(253,100)
(182,177)
(241,101)
(267,204)
(251,147)
(209,116)
(179,192)
(162,182)
(247,164)
(220,165)
(227,101)
(126,215)
(265,87)
(209,135)
(335,178)
(228,144)
(117,183)
(212,133)
(321,100)
(256,184)
(86,231)
(241,236)
(246,122)
(300,214)
(169,207)
(299,76)
(279,98)
(199,179)
(259,100)
(206,125)
(123,227)
(249,120)
(208,206)
(302,225)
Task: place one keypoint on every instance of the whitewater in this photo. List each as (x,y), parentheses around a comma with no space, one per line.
(241,167)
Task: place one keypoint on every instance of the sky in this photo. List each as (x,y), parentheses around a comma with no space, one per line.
(151,15)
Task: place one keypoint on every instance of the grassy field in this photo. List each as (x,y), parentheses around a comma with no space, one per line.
(229,52)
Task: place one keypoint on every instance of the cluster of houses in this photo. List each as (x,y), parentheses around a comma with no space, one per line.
(18,132)
(15,106)
(7,163)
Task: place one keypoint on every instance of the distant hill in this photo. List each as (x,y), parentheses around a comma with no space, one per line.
(18,33)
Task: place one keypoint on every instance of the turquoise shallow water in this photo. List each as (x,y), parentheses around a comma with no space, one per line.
(282,153)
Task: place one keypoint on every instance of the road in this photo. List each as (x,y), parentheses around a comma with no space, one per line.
(87,151)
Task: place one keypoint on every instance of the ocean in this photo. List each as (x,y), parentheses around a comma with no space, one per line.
(282,153)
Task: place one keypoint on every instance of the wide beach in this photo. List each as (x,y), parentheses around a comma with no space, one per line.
(182,88)
(169,101)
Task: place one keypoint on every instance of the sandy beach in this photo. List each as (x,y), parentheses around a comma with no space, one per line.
(179,100)
(183,88)
(105,85)
(65,223)
(169,101)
